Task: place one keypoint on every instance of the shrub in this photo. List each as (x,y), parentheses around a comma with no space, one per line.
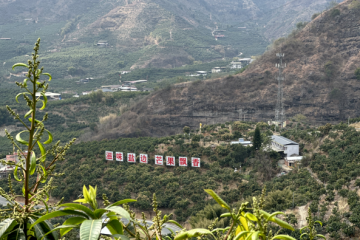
(329,68)
(314,16)
(334,12)
(357,71)
(355,4)
(343,192)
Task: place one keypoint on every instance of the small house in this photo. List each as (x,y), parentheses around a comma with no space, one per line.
(285,145)
(292,160)
(102,43)
(217,69)
(86,93)
(235,65)
(50,95)
(201,73)
(110,88)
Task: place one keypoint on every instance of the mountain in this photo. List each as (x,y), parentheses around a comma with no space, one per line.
(320,82)
(142,33)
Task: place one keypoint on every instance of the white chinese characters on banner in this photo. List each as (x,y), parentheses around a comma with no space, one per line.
(143,158)
(195,162)
(170,161)
(183,161)
(131,157)
(119,156)
(159,160)
(109,155)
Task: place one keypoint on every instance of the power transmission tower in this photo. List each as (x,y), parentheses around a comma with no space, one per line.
(279,110)
(240,113)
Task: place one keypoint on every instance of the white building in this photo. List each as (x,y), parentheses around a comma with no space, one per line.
(291,161)
(282,144)
(242,142)
(243,62)
(50,95)
(203,73)
(110,88)
(235,65)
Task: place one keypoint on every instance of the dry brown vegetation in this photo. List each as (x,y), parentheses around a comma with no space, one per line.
(320,83)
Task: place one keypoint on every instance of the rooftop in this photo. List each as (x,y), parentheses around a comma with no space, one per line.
(283,140)
(49,94)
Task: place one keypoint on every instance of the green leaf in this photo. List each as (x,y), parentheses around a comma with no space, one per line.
(122,202)
(50,138)
(20,140)
(19,65)
(119,210)
(32,163)
(28,113)
(303,235)
(176,223)
(241,234)
(99,212)
(251,217)
(255,236)
(249,236)
(286,237)
(225,215)
(172,232)
(17,96)
(193,233)
(115,227)
(318,222)
(58,214)
(281,223)
(75,206)
(44,172)
(7,225)
(123,237)
(42,150)
(44,101)
(217,199)
(90,229)
(301,229)
(16,174)
(39,231)
(274,214)
(16,234)
(321,236)
(71,221)
(25,82)
(61,227)
(47,74)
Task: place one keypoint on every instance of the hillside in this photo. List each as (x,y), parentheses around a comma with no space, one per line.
(327,181)
(146,33)
(320,82)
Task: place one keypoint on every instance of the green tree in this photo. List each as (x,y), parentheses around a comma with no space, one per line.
(357,73)
(121,64)
(257,139)
(186,129)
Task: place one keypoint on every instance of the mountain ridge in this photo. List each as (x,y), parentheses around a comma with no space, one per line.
(320,83)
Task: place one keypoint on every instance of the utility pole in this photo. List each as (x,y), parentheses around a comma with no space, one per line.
(279,110)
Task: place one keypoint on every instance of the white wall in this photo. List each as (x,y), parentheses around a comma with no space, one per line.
(292,149)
